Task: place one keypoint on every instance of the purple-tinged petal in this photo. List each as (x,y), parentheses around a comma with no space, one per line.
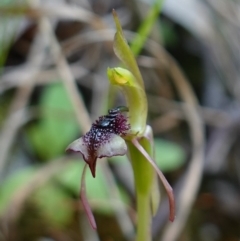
(162,177)
(78,146)
(115,146)
(89,155)
(84,200)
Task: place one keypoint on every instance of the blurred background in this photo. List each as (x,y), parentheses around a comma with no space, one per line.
(53,85)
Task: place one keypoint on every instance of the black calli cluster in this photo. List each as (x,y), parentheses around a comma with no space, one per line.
(104,138)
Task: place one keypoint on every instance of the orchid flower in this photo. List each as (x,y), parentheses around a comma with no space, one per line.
(103,140)
(116,133)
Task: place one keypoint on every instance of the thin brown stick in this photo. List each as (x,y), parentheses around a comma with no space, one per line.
(195,169)
(12,124)
(68,80)
(212,117)
(15,77)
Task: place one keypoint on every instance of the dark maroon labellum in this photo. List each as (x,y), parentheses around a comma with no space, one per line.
(104,138)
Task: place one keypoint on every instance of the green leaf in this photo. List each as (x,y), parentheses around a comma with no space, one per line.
(12,184)
(97,189)
(168,155)
(54,204)
(58,125)
(52,201)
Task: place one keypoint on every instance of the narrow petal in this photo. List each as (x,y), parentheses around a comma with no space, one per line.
(84,200)
(162,177)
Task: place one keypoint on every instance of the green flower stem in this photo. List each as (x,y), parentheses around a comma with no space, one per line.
(144,175)
(144,218)
(131,83)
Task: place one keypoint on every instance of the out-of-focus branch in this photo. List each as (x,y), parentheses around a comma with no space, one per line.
(16,117)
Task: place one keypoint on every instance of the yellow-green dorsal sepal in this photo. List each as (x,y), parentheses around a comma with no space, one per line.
(123,51)
(135,98)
